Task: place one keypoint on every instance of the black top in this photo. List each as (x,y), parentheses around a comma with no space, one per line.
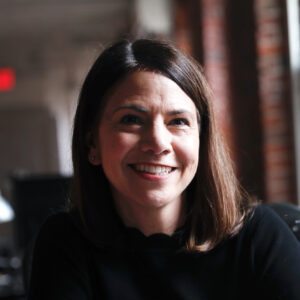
(261,262)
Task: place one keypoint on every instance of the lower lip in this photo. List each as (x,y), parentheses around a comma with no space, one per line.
(152,177)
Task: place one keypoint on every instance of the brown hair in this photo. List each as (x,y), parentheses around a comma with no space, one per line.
(218,205)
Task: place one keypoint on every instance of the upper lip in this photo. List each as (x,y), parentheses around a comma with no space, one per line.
(153,164)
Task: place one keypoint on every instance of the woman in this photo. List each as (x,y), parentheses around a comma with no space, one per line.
(156,211)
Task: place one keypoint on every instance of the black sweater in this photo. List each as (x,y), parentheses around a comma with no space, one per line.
(261,262)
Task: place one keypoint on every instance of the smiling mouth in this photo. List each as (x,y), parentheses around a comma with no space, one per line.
(152,169)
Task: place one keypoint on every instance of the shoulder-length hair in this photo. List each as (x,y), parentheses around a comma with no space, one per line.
(217,204)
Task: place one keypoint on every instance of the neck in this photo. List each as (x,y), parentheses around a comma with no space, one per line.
(151,220)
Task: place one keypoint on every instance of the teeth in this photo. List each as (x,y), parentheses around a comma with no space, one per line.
(160,170)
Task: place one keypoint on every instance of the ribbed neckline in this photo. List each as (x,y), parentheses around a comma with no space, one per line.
(115,235)
(134,239)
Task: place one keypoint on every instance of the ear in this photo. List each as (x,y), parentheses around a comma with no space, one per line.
(94,157)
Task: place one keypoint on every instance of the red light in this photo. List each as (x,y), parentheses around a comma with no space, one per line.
(7,79)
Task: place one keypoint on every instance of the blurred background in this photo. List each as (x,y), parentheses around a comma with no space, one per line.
(250,52)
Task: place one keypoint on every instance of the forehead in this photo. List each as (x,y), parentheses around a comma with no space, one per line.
(148,89)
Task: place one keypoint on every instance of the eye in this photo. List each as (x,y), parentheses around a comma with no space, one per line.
(179,122)
(131,120)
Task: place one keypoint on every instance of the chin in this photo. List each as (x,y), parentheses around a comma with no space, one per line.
(157,201)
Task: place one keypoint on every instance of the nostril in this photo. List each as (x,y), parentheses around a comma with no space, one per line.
(155,149)
(155,146)
(156,138)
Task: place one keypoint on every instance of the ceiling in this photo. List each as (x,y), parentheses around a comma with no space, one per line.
(78,18)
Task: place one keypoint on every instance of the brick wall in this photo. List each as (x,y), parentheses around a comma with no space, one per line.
(245,100)
(182,24)
(275,100)
(216,63)
(245,55)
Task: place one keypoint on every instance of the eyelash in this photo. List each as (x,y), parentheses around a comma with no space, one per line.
(131,120)
(182,120)
(136,120)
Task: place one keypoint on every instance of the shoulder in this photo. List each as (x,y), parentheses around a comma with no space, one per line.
(262,221)
(274,254)
(61,258)
(262,213)
(60,231)
(267,233)
(263,218)
(57,225)
(61,243)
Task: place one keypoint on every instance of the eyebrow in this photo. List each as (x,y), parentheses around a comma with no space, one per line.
(178,112)
(182,111)
(144,110)
(134,107)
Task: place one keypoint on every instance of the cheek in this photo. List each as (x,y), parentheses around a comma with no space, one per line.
(189,152)
(114,147)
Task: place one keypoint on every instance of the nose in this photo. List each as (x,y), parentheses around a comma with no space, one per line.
(157,139)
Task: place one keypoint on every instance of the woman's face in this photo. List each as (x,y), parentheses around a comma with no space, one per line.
(147,141)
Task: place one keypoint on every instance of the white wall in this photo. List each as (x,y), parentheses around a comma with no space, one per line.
(293,12)
(155,16)
(51,45)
